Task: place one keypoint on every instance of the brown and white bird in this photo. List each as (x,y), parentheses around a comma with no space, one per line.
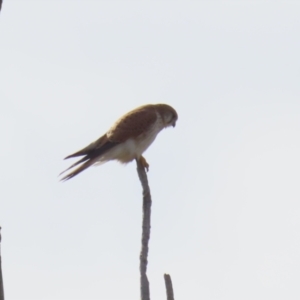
(127,139)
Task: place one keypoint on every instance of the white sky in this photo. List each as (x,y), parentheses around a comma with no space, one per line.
(225,181)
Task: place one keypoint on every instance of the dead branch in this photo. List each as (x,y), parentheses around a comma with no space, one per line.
(1,278)
(146,225)
(169,287)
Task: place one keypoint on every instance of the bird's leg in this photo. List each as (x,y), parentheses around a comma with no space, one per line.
(144,163)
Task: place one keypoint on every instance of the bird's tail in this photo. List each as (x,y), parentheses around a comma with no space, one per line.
(79,169)
(92,154)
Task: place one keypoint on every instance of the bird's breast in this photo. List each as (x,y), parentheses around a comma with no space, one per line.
(134,147)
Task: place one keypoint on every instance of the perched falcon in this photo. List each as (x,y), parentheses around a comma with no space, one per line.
(127,139)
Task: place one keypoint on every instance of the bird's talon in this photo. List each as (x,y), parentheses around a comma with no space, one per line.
(144,163)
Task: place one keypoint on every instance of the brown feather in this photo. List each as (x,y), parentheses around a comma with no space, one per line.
(79,169)
(133,124)
(91,147)
(92,154)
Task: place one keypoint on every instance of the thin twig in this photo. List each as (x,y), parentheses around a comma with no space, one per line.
(145,291)
(169,287)
(1,278)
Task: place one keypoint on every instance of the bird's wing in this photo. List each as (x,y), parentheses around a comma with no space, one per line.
(133,124)
(98,144)
(91,153)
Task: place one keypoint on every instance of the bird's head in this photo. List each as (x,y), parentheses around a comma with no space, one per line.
(168,114)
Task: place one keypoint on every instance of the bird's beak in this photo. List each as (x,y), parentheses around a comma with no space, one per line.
(174,124)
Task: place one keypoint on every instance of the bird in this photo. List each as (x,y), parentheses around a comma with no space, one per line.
(127,139)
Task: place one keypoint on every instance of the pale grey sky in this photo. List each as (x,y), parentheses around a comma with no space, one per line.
(225,181)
